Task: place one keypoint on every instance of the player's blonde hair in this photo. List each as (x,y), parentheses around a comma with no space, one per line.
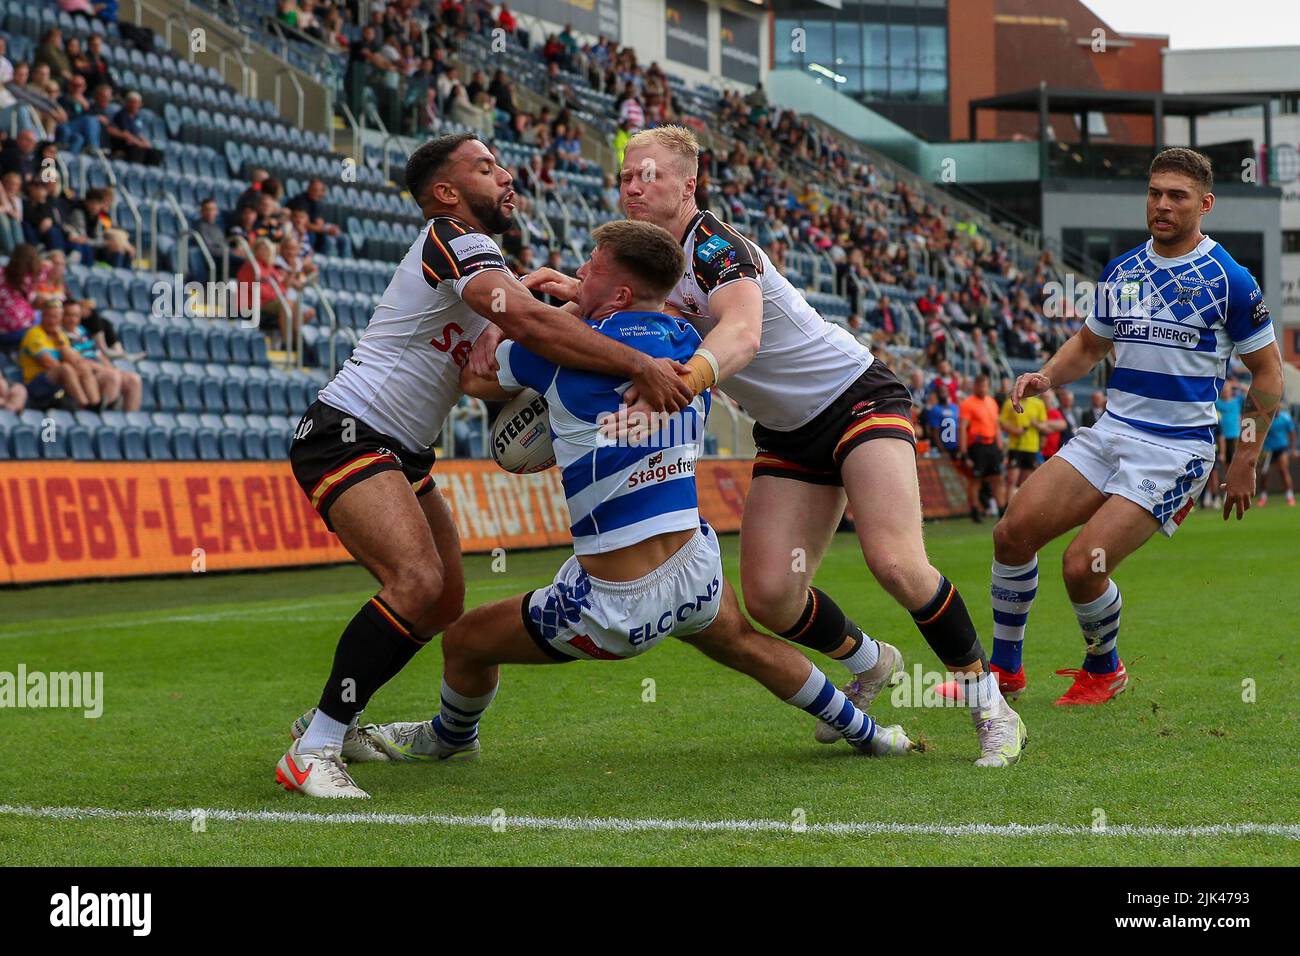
(678,140)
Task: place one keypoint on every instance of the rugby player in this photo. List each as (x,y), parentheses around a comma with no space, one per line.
(645,565)
(833,425)
(1173,309)
(362,452)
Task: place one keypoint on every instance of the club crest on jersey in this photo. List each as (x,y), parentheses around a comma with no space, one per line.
(712,248)
(1186,294)
(863,408)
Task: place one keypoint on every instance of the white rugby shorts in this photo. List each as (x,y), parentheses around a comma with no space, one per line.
(580,617)
(1164,479)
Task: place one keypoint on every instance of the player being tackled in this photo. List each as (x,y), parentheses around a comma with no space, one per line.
(645,566)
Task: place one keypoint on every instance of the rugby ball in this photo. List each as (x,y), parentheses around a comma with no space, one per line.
(521,435)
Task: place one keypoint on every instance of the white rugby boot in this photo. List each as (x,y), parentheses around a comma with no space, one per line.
(415,740)
(866,687)
(358,745)
(317,773)
(1002,735)
(886,742)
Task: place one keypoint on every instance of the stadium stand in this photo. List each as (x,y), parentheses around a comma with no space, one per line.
(920,278)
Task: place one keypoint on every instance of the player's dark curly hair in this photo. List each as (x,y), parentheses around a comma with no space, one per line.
(1180,159)
(427,161)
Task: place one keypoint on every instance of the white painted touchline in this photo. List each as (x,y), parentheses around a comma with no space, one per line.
(1290,831)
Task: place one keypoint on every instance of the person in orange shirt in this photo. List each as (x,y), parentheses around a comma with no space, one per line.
(979,441)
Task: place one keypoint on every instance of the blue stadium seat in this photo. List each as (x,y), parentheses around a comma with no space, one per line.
(81,443)
(184,445)
(233,394)
(24,443)
(191,394)
(108,444)
(277,393)
(301,395)
(209,444)
(219,344)
(196,343)
(175,344)
(232,445)
(213,399)
(255,396)
(254,444)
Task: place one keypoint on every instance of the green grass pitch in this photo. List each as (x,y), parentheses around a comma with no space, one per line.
(202,677)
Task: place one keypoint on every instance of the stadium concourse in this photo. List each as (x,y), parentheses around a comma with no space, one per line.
(194,177)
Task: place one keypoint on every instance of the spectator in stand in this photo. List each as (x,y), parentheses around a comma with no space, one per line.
(112,382)
(452,13)
(82,127)
(18,297)
(524,263)
(52,53)
(50,364)
(11,211)
(947,382)
(131,143)
(6,65)
(271,219)
(262,292)
(87,225)
(241,234)
(42,219)
(96,70)
(507,22)
(1065,403)
(249,196)
(18,155)
(630,109)
(33,87)
(13,396)
(1097,408)
(211,235)
(467,114)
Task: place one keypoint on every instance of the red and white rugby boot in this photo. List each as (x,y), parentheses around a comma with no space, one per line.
(317,773)
(1011,684)
(1089,688)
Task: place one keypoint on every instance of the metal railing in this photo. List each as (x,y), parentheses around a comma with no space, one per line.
(183,249)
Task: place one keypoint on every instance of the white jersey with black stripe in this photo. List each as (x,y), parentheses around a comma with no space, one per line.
(404,376)
(803,362)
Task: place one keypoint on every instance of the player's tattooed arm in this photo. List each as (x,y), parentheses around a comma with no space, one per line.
(1072,361)
(1262,402)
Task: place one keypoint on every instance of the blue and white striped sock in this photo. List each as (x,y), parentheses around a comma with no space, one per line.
(1012,593)
(457,722)
(822,699)
(1100,622)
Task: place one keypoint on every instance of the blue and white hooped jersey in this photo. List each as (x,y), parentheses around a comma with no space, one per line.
(618,495)
(1175,323)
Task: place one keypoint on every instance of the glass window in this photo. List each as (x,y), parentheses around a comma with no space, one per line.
(853,75)
(819,48)
(783,41)
(934,86)
(902,84)
(848,45)
(902,46)
(875,40)
(932,43)
(876,83)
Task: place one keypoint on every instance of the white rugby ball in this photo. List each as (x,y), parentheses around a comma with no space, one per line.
(521,435)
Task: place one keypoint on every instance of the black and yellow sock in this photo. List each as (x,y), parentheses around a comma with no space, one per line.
(377,643)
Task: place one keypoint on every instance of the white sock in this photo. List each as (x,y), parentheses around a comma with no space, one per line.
(864,658)
(982,693)
(324,732)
